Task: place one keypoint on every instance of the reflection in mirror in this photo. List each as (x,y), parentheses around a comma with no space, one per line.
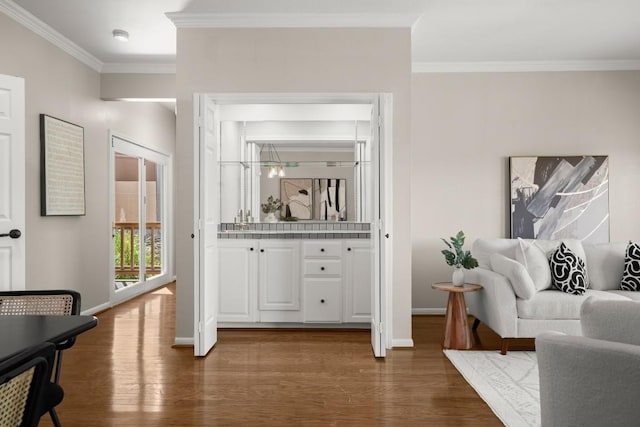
(330,155)
(331,201)
(297,198)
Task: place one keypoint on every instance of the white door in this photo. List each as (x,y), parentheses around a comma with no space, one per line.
(206,225)
(377,326)
(12,184)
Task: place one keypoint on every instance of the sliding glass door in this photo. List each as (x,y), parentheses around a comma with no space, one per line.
(139,213)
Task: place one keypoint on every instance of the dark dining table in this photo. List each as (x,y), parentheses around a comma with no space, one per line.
(20,332)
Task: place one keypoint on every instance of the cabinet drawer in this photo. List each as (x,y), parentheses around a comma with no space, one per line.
(322,249)
(322,300)
(322,267)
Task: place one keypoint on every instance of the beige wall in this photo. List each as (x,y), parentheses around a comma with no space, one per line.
(72,252)
(121,85)
(294,60)
(465,127)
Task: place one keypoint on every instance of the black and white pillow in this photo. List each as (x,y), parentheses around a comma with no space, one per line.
(631,275)
(568,272)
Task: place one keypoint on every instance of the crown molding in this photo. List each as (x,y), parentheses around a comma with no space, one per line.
(523,66)
(138,68)
(293,20)
(25,18)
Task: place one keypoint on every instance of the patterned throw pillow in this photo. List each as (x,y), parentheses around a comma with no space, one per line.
(631,276)
(568,272)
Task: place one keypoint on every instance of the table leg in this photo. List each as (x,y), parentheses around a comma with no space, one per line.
(456,330)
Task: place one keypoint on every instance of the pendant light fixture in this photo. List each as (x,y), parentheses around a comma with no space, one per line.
(274,164)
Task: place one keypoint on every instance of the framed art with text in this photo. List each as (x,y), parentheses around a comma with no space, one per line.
(62,189)
(560,198)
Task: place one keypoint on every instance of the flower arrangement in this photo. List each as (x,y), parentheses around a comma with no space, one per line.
(271,206)
(456,256)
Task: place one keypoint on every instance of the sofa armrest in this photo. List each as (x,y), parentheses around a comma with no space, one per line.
(587,382)
(495,304)
(617,321)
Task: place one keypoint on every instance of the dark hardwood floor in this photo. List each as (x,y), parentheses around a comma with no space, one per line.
(126,373)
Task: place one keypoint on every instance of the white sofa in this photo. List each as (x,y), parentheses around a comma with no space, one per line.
(592,380)
(512,316)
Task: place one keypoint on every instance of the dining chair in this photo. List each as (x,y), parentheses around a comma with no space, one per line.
(23,379)
(44,302)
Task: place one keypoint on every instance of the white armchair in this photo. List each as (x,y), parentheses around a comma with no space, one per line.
(593,380)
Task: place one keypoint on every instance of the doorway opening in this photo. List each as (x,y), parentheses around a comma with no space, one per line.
(140,218)
(232,180)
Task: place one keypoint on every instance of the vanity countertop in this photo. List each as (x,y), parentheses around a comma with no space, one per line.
(295,230)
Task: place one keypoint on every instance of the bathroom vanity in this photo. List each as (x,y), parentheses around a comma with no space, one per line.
(283,274)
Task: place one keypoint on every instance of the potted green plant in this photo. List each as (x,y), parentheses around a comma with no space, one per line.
(270,208)
(458,257)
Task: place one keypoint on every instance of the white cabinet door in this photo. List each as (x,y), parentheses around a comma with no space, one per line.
(279,277)
(237,281)
(358,281)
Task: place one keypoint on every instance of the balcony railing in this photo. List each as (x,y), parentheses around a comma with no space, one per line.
(127,249)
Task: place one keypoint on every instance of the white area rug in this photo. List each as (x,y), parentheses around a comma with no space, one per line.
(509,384)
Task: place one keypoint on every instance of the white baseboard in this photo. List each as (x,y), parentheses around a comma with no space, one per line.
(428,311)
(98,308)
(402,342)
(183,341)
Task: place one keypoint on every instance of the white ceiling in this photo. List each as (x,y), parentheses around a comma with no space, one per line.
(446,34)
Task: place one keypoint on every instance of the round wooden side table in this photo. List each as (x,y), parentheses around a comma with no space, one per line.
(456,328)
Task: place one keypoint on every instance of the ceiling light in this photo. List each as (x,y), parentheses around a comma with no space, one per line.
(121,35)
(273,163)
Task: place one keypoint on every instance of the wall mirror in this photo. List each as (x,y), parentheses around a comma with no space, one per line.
(316,162)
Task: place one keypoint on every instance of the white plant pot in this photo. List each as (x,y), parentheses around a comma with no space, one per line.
(271,217)
(457,278)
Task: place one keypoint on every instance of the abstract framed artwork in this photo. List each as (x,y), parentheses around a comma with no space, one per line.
(62,189)
(560,197)
(296,195)
(331,197)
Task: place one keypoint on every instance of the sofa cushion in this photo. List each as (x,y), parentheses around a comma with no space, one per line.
(554,304)
(631,274)
(550,246)
(617,321)
(520,279)
(568,272)
(632,295)
(483,248)
(605,263)
(530,255)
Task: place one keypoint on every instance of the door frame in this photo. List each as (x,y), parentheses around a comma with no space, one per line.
(140,150)
(384,258)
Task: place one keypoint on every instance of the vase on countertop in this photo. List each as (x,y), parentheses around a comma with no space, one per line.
(457,278)
(271,217)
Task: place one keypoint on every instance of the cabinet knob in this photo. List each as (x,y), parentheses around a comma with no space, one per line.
(261,250)
(322,301)
(349,249)
(322,250)
(250,249)
(321,268)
